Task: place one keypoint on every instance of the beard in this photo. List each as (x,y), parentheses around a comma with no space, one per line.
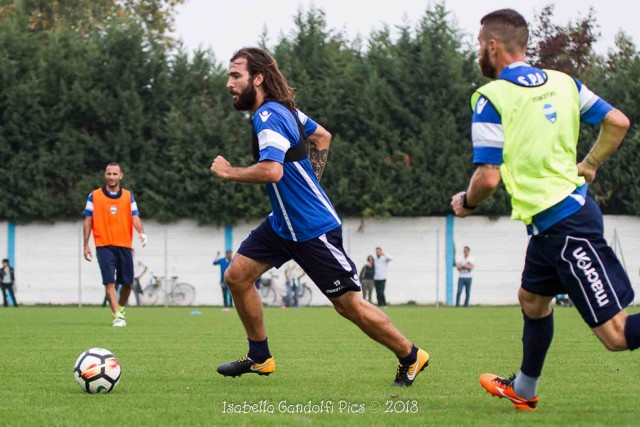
(246,98)
(486,67)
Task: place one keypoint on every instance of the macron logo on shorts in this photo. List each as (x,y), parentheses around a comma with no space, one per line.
(586,269)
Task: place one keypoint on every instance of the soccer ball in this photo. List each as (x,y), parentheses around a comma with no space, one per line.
(97,370)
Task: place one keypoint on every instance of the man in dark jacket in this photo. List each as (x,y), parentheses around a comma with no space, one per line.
(7,280)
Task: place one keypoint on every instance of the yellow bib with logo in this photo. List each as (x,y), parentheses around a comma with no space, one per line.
(541,123)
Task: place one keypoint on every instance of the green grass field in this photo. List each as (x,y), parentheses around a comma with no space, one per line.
(169,358)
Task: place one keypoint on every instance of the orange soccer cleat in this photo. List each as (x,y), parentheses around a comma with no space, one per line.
(503,388)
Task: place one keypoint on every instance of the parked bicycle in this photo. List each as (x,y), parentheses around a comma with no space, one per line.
(272,295)
(169,290)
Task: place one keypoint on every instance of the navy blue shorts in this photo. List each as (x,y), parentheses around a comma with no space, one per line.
(573,257)
(323,258)
(116,264)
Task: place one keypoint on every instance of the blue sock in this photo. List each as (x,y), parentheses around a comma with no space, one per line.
(632,331)
(537,335)
(259,351)
(411,358)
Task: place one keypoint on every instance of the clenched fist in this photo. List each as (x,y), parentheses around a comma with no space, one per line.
(220,167)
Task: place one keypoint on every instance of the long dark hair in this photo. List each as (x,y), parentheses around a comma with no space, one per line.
(274,82)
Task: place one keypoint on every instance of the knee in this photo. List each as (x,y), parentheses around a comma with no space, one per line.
(341,308)
(534,307)
(232,278)
(342,311)
(347,309)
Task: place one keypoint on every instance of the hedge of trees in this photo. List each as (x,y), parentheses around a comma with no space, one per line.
(75,96)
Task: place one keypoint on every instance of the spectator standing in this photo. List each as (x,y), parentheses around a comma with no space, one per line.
(8,280)
(464,266)
(292,273)
(381,265)
(227,300)
(366,278)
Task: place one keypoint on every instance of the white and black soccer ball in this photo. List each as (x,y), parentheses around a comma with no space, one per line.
(97,370)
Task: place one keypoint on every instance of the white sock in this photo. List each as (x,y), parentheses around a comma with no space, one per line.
(525,386)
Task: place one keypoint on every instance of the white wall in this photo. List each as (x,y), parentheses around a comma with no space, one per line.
(50,267)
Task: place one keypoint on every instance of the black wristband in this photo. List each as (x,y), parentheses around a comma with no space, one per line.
(465,204)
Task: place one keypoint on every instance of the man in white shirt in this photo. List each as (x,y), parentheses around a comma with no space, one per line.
(381,263)
(464,267)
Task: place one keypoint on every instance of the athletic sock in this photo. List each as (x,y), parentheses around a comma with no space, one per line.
(537,335)
(632,331)
(259,351)
(525,386)
(411,358)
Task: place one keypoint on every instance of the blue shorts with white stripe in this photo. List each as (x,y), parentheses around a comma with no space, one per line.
(323,258)
(573,257)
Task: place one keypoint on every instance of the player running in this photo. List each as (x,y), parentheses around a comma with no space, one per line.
(303,226)
(525,130)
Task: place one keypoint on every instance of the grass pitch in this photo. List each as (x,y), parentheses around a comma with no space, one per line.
(324,365)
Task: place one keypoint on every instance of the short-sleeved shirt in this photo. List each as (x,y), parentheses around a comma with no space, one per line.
(465,273)
(224,264)
(301,210)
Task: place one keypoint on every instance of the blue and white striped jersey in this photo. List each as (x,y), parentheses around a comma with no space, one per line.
(300,208)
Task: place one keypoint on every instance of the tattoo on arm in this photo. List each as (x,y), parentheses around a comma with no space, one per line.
(318,160)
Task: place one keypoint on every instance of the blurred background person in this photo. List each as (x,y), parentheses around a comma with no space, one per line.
(227,300)
(8,280)
(381,265)
(464,266)
(292,273)
(366,278)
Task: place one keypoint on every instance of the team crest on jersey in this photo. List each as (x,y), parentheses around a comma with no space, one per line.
(264,115)
(113,209)
(550,113)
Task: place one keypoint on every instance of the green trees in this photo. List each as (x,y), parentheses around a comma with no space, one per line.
(84,83)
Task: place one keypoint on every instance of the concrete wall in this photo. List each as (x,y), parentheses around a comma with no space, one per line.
(50,267)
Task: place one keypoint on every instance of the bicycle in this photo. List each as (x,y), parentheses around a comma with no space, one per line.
(273,296)
(163,289)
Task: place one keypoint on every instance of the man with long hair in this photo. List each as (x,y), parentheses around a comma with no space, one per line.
(303,226)
(525,129)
